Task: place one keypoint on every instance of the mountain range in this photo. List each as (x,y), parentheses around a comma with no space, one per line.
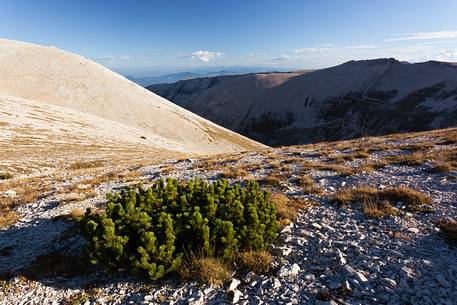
(354,99)
(197,73)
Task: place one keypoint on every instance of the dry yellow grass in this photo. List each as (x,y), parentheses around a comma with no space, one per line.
(99,179)
(356,154)
(167,169)
(408,196)
(275,164)
(308,185)
(445,161)
(7,217)
(448,228)
(379,209)
(306,181)
(413,159)
(206,270)
(361,153)
(257,261)
(441,167)
(274,179)
(369,167)
(73,214)
(234,172)
(287,208)
(377,202)
(417,147)
(252,166)
(86,164)
(29,194)
(449,139)
(78,195)
(27,190)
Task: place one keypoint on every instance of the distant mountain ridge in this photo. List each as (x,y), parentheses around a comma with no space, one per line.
(357,98)
(196,73)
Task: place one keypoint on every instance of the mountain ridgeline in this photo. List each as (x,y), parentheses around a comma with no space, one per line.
(357,98)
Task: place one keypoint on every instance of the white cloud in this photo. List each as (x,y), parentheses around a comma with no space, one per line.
(260,54)
(361,47)
(205,56)
(281,57)
(328,48)
(312,50)
(425,36)
(446,55)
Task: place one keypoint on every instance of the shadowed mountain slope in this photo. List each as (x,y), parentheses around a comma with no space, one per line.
(357,98)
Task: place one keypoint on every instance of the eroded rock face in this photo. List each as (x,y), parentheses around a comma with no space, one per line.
(358,98)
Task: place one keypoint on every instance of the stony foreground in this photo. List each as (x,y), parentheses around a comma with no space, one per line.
(329,255)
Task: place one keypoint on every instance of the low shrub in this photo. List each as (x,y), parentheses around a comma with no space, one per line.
(150,230)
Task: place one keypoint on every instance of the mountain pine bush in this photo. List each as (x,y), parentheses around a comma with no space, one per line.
(150,230)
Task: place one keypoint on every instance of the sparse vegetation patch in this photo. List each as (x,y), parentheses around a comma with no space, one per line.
(257,261)
(381,202)
(287,208)
(233,172)
(86,164)
(448,228)
(205,269)
(5,176)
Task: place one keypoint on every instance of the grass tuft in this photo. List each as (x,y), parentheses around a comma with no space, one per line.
(379,209)
(448,228)
(441,167)
(287,208)
(86,164)
(206,270)
(7,217)
(233,172)
(308,185)
(379,203)
(257,261)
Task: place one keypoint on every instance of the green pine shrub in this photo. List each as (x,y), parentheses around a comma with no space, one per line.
(149,231)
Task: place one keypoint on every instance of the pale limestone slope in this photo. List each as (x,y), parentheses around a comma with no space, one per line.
(51,76)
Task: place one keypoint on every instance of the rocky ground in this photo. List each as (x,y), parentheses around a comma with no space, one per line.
(329,255)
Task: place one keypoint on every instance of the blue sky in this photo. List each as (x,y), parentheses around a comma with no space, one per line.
(178,35)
